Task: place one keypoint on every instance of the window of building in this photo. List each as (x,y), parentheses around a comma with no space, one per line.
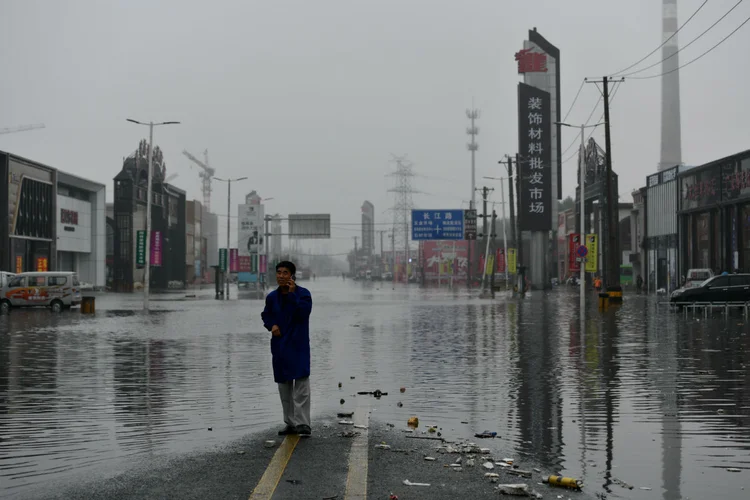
(123,225)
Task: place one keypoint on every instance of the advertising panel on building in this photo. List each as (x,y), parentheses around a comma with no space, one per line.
(250,241)
(534,144)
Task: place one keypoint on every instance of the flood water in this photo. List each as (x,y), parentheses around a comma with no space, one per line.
(634,394)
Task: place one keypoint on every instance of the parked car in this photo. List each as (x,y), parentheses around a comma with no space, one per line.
(724,288)
(56,290)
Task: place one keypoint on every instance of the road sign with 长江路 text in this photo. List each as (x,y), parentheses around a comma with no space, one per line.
(437,225)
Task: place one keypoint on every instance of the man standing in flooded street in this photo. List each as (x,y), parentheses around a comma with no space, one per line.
(287,316)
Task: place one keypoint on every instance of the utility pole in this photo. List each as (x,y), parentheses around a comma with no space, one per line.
(469,245)
(473,131)
(485,193)
(492,250)
(611,263)
(266,235)
(511,203)
(382,260)
(404,204)
(393,257)
(520,270)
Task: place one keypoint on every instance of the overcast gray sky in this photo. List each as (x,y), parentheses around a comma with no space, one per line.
(309,97)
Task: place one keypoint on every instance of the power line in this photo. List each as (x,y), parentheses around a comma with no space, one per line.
(583,82)
(697,58)
(578,135)
(663,43)
(611,100)
(683,48)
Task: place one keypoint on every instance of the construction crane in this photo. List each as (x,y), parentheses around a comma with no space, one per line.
(22,128)
(205,176)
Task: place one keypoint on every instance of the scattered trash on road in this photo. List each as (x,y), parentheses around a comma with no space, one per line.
(346,422)
(348,414)
(508,461)
(485,434)
(470,462)
(403,389)
(382,446)
(519,490)
(413,422)
(342,401)
(334,497)
(488,465)
(341,385)
(430,459)
(432,430)
(537,470)
(240,452)
(491,474)
(352,377)
(622,483)
(349,434)
(270,443)
(733,469)
(564,482)
(503,464)
(358,426)
(485,451)
(210,428)
(645,488)
(409,483)
(519,472)
(376,393)
(392,497)
(400,404)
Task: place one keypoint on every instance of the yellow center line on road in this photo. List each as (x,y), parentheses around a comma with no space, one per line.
(271,477)
(356,479)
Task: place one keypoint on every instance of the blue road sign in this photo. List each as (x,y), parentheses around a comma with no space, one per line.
(437,225)
(582,251)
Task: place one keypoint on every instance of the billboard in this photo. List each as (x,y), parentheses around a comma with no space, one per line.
(593,256)
(156,248)
(535,149)
(437,225)
(310,226)
(250,229)
(445,259)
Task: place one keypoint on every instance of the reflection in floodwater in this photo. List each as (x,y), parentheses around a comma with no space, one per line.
(633,395)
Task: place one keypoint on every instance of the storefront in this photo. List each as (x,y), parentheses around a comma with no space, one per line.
(661,231)
(27,188)
(714,218)
(81,228)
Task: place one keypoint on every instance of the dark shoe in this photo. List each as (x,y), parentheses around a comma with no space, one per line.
(304,430)
(288,430)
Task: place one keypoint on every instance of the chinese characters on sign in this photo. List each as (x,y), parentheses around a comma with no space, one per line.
(223,259)
(531,62)
(701,189)
(19,264)
(244,263)
(535,148)
(470,224)
(140,248)
(437,225)
(42,264)
(593,257)
(156,248)
(68,217)
(574,241)
(233,263)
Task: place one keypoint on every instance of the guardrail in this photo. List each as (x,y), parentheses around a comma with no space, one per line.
(708,307)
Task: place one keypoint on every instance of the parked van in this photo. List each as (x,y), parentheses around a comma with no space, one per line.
(4,278)
(56,290)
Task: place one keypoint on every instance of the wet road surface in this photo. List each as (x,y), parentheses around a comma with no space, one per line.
(633,395)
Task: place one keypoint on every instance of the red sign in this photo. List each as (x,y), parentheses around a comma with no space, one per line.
(263,264)
(701,189)
(574,241)
(500,259)
(243,262)
(156,248)
(531,62)
(19,264)
(233,263)
(68,216)
(42,264)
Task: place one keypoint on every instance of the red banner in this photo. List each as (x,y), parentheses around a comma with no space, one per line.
(244,263)
(574,241)
(233,264)
(500,259)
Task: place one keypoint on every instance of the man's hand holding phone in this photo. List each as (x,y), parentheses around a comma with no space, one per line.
(291,285)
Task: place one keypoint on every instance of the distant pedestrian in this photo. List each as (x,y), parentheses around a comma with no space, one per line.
(639,283)
(287,317)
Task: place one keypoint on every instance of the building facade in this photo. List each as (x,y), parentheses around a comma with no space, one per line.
(196,243)
(81,228)
(275,248)
(714,215)
(210,230)
(638,233)
(168,211)
(28,239)
(661,245)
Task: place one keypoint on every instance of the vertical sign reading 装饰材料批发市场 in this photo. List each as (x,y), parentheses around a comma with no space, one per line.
(535,152)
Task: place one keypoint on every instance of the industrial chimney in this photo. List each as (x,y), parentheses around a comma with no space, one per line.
(671,133)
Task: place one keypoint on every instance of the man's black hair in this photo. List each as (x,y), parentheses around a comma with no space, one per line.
(287,265)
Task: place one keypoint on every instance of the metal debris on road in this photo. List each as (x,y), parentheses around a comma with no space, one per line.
(409,483)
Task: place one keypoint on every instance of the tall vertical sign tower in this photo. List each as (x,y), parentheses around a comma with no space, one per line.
(540,163)
(671,131)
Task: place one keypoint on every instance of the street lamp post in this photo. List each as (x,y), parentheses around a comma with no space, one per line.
(229,218)
(581,183)
(505,234)
(147,269)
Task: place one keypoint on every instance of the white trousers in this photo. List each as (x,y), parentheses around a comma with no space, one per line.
(295,400)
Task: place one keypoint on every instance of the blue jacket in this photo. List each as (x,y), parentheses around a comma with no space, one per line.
(291,351)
